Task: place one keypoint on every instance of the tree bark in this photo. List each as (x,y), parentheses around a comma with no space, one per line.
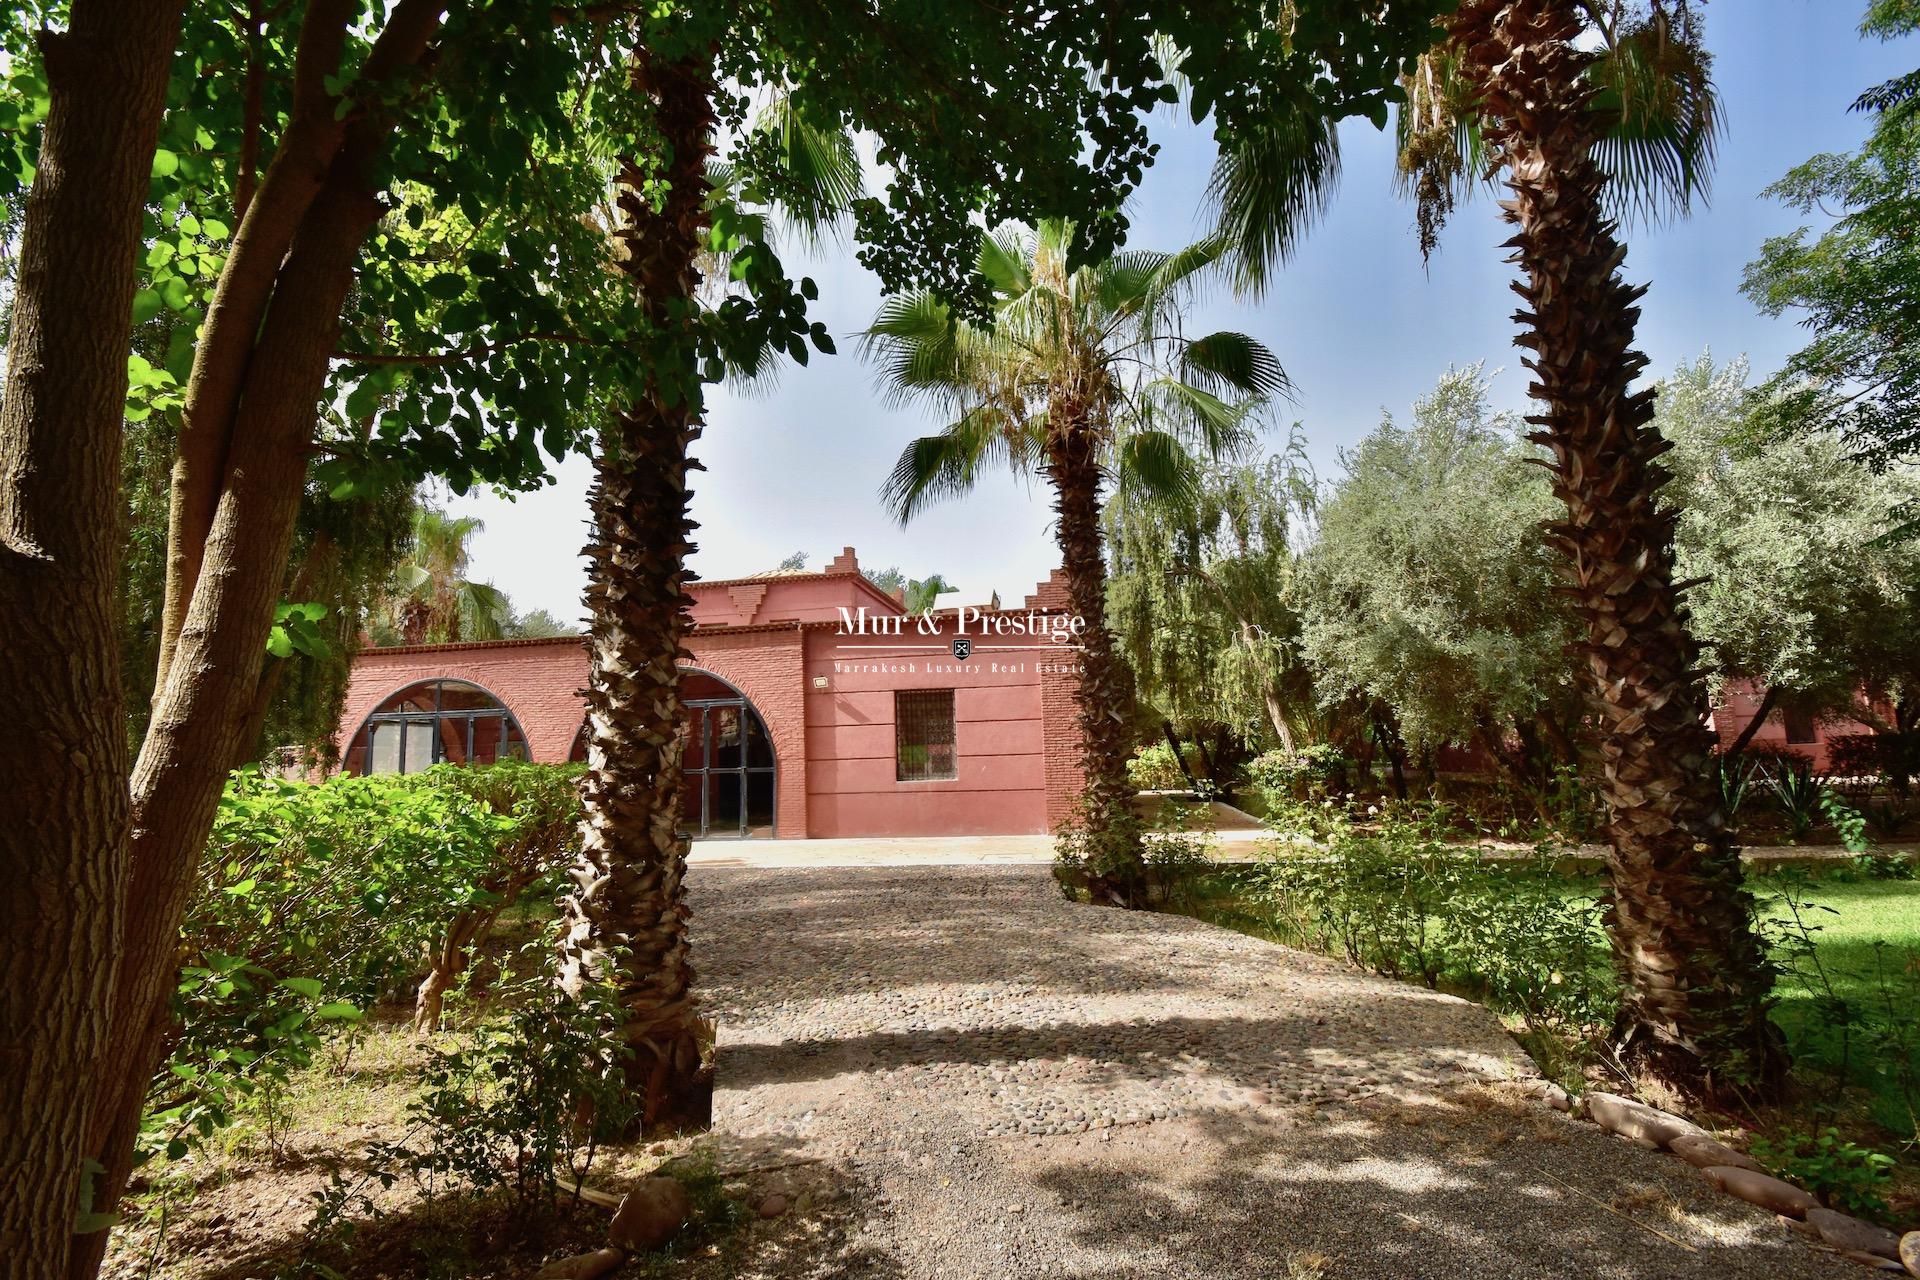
(63,818)
(627,916)
(200,710)
(1104,695)
(1696,986)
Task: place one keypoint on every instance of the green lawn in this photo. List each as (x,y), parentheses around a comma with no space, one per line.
(1850,1002)
(1848,946)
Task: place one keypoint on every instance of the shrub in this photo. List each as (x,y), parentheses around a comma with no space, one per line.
(1847,1176)
(1401,901)
(1894,757)
(524,1099)
(318,899)
(1155,768)
(1305,773)
(1179,851)
(1125,864)
(1109,862)
(543,802)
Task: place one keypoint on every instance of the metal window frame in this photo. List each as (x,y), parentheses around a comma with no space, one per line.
(430,722)
(900,697)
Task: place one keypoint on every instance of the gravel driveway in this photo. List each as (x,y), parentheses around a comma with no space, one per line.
(951,1072)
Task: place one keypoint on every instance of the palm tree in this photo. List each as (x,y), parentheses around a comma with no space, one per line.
(917,595)
(1084,375)
(432,601)
(626,919)
(1591,109)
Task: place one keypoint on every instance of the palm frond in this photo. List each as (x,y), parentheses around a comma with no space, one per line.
(914,339)
(819,176)
(1126,279)
(1154,465)
(1268,186)
(1003,258)
(1655,89)
(1235,361)
(485,610)
(937,467)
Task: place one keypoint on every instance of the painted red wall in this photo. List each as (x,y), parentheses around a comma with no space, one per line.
(1741,699)
(1016,738)
(537,680)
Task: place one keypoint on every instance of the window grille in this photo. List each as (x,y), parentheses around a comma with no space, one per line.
(923,735)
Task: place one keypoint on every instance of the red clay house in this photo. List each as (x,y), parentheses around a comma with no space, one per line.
(818,708)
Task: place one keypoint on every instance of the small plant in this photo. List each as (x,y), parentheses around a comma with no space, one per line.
(1849,1177)
(1800,795)
(1848,822)
(1572,805)
(1733,774)
(1179,851)
(1886,866)
(522,1102)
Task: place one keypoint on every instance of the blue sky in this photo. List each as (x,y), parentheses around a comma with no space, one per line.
(1361,325)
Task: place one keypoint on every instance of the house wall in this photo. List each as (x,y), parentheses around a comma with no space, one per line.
(1000,735)
(1735,711)
(537,680)
(831,720)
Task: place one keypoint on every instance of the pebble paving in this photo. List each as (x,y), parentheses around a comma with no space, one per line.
(1007,1084)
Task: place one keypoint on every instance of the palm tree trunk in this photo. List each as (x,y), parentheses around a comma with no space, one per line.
(1697,987)
(1104,696)
(627,917)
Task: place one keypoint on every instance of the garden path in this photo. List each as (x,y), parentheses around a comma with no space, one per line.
(956,1073)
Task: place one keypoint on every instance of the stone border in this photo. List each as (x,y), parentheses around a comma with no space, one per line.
(1741,1176)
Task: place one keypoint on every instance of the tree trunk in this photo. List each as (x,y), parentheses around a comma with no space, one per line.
(629,896)
(63,821)
(213,671)
(1695,1006)
(1104,696)
(1759,717)
(200,713)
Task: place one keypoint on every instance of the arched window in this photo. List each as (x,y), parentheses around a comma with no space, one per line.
(728,761)
(435,722)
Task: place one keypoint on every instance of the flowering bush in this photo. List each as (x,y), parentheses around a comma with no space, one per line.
(1306,773)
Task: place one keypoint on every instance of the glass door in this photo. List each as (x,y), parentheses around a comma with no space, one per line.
(729,771)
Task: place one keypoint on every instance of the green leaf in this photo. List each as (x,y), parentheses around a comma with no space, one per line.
(309,987)
(338,1011)
(165,163)
(146,305)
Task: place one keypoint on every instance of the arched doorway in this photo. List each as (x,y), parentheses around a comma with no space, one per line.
(434,722)
(730,777)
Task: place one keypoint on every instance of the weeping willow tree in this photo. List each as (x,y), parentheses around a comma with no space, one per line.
(346,552)
(1203,602)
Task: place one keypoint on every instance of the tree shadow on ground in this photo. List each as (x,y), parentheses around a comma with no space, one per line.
(1320,1123)
(486,1237)
(1485,1183)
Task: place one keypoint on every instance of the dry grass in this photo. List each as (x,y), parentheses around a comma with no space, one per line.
(1306,1265)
